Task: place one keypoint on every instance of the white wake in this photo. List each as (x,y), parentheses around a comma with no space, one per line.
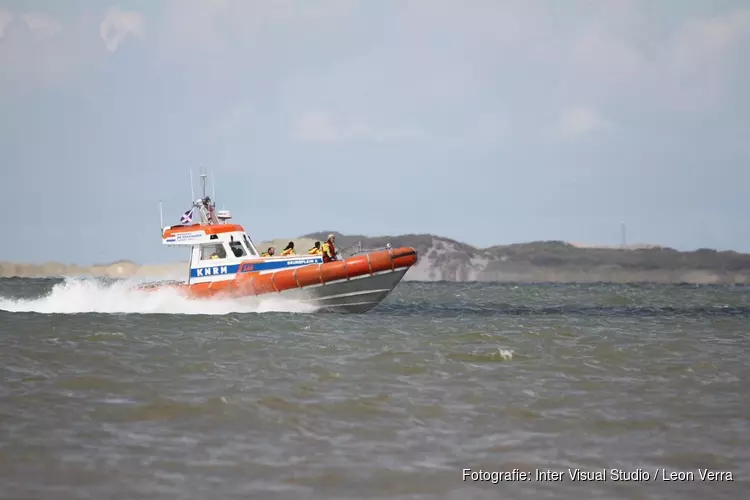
(93,296)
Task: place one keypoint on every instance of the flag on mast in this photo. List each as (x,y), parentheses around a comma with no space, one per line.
(187,216)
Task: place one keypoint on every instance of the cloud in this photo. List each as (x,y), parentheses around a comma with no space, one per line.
(210,28)
(606,58)
(119,24)
(232,124)
(698,60)
(42,26)
(485,73)
(316,126)
(40,51)
(636,59)
(577,121)
(701,41)
(322,126)
(194,26)
(5,19)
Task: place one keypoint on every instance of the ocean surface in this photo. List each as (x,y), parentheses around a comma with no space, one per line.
(107,393)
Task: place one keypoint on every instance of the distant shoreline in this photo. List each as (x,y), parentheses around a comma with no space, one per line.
(444,259)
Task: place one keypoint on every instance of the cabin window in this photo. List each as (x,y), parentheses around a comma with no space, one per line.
(249,246)
(237,249)
(212,252)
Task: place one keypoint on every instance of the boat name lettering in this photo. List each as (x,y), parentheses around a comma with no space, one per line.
(211,271)
(188,236)
(298,262)
(246,267)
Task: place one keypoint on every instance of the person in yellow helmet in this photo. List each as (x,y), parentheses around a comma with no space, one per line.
(316,249)
(289,250)
(269,253)
(329,249)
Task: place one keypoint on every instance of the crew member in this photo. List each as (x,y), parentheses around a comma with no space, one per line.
(269,253)
(289,250)
(329,249)
(220,253)
(315,250)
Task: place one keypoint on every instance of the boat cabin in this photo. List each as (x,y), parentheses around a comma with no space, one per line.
(215,249)
(220,250)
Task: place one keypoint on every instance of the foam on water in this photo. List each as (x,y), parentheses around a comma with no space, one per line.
(75,295)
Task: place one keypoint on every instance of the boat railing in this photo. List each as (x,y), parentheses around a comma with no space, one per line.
(358,249)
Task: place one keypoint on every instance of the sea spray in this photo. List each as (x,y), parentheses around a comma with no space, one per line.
(75,295)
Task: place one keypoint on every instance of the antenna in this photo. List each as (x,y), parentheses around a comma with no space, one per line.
(213,186)
(161,215)
(622,234)
(203,184)
(192,190)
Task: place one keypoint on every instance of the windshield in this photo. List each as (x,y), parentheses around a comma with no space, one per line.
(249,245)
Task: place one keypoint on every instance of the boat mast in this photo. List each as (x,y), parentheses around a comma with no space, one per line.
(206,207)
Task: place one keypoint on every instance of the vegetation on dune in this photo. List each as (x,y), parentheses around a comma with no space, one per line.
(558,254)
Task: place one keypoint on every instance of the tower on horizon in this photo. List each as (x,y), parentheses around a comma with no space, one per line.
(622,235)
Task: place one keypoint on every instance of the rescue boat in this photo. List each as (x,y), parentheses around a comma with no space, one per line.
(224,262)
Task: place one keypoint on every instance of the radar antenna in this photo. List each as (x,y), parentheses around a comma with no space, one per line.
(205,205)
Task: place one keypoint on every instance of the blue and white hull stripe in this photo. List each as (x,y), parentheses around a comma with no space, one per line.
(231,270)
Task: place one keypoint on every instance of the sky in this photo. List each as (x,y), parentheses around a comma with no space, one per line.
(486,121)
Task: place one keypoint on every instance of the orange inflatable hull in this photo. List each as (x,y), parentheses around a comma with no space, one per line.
(363,265)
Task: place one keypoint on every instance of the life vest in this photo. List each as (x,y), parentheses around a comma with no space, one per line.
(314,251)
(329,251)
(266,254)
(289,251)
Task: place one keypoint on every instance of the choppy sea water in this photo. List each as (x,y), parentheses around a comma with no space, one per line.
(109,393)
